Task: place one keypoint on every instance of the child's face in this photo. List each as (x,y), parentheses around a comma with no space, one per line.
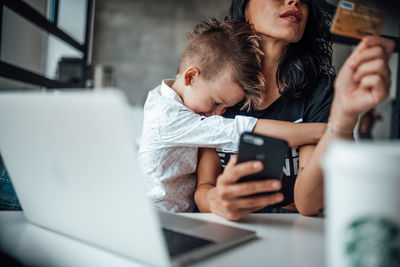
(213,97)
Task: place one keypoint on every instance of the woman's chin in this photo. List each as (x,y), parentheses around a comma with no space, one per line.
(284,34)
(286,38)
(290,37)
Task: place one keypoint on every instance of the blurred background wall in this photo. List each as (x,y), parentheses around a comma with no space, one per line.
(141,40)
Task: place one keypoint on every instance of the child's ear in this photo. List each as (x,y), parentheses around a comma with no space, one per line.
(191,74)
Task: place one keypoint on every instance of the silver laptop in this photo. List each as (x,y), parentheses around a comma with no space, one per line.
(72,160)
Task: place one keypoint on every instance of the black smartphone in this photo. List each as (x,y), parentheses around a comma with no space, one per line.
(271,151)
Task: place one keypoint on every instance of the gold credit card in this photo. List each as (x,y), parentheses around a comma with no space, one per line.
(357,18)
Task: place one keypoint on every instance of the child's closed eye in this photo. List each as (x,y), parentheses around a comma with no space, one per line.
(216,103)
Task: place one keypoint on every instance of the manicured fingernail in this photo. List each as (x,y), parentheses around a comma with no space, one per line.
(256,165)
(352,63)
(279,198)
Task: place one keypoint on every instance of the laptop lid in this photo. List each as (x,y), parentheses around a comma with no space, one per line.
(72,160)
(61,148)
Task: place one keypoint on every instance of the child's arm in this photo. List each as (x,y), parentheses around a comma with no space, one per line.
(186,128)
(296,134)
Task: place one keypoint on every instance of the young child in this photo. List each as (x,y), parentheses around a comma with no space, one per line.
(220,67)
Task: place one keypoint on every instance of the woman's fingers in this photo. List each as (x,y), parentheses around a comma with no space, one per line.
(371,90)
(365,79)
(249,188)
(238,208)
(368,54)
(237,214)
(234,200)
(233,172)
(376,66)
(387,44)
(377,89)
(232,161)
(369,48)
(258,201)
(352,59)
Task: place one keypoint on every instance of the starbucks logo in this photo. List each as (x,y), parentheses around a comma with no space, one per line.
(373,242)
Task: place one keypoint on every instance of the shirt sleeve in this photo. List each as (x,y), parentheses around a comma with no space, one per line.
(185,128)
(318,105)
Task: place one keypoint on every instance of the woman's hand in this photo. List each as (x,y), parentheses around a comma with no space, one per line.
(233,200)
(362,83)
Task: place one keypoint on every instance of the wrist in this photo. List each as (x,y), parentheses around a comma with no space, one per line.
(338,131)
(339,122)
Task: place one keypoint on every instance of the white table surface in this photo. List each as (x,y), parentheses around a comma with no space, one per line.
(283,240)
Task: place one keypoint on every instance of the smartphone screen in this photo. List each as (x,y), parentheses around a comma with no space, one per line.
(271,151)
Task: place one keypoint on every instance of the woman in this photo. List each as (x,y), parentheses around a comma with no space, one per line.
(297,66)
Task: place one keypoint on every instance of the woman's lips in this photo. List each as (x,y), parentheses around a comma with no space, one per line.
(292,16)
(291,19)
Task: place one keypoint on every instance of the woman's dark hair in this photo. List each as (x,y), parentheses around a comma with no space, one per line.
(301,68)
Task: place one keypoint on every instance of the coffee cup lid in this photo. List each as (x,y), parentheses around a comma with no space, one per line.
(381,157)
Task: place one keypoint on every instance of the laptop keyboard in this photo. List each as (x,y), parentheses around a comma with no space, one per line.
(179,243)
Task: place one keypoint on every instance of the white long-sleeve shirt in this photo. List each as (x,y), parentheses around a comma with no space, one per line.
(171,136)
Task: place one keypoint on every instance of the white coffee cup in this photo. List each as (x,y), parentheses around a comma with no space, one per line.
(362,201)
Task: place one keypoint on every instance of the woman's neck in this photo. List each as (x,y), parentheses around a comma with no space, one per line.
(274,50)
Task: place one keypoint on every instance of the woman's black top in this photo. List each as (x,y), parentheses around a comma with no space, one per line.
(314,107)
